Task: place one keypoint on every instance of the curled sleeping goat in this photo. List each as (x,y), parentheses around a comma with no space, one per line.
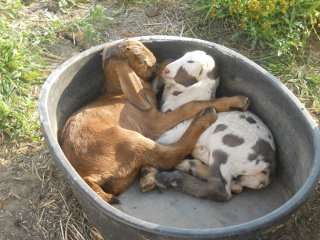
(236,151)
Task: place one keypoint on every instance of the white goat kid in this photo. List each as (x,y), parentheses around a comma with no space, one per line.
(236,151)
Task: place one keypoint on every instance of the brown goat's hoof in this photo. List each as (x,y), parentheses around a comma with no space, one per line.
(147,184)
(114,200)
(246,103)
(207,117)
(208,110)
(147,180)
(241,104)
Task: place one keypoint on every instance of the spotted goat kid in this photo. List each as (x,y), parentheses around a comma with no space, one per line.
(236,151)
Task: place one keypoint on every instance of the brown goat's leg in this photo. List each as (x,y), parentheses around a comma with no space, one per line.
(214,189)
(117,185)
(162,122)
(167,157)
(108,197)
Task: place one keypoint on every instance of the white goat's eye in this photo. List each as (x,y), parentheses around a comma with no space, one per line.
(190,61)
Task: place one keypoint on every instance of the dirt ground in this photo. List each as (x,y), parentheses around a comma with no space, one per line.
(35,199)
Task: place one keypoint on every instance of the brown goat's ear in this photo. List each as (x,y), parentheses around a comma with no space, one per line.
(132,87)
(111,51)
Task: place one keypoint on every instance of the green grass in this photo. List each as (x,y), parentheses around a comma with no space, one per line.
(20,69)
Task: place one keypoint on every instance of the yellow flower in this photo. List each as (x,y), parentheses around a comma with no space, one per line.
(243,25)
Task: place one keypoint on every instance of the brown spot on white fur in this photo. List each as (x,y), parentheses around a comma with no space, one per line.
(219,157)
(220,128)
(183,78)
(262,150)
(176,93)
(232,140)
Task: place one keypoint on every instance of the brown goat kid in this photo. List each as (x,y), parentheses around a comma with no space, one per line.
(109,140)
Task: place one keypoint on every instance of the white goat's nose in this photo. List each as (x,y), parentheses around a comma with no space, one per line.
(166,71)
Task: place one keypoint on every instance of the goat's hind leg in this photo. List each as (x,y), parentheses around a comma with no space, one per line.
(195,168)
(214,189)
(108,197)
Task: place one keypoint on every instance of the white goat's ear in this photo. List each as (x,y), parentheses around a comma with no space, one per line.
(131,86)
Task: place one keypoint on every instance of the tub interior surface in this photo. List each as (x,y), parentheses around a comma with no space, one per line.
(79,84)
(171,208)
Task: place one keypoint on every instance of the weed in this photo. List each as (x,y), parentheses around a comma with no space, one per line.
(89,24)
(66,5)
